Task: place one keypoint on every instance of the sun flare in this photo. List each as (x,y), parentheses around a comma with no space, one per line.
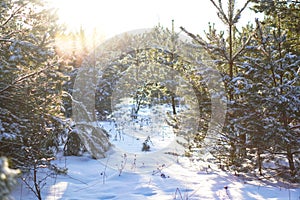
(110,17)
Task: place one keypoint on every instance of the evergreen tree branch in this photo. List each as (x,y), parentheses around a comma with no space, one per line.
(262,41)
(243,46)
(205,45)
(12,15)
(194,37)
(5,40)
(221,13)
(295,127)
(23,78)
(238,14)
(9,35)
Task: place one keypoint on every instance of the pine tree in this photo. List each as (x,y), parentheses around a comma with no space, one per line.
(273,70)
(30,86)
(226,50)
(283,14)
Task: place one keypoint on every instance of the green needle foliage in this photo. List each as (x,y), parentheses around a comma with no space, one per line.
(30,82)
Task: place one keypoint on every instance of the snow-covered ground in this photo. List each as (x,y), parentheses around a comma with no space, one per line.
(128,173)
(88,179)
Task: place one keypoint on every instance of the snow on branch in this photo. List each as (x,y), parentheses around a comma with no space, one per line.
(221,12)
(22,79)
(12,15)
(205,45)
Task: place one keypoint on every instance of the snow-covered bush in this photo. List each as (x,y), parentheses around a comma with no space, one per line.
(146,146)
(7,178)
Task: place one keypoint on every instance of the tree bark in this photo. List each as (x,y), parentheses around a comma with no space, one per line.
(173,105)
(259,161)
(290,158)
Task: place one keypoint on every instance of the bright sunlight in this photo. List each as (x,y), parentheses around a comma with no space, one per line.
(100,20)
(115,16)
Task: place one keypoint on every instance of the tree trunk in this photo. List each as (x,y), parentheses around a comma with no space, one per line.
(173,105)
(291,161)
(232,156)
(243,151)
(259,161)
